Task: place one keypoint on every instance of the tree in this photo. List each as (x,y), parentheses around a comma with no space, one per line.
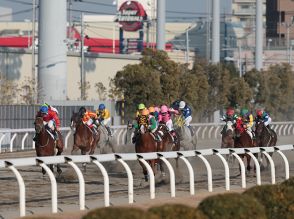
(27,91)
(240,93)
(101,90)
(8,91)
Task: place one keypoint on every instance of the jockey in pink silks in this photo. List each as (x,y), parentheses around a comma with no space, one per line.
(165,117)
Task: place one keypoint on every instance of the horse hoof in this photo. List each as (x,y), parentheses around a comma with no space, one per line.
(146,178)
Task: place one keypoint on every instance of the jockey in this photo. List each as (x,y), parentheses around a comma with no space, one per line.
(51,119)
(261,115)
(153,112)
(89,118)
(165,117)
(187,114)
(175,105)
(141,107)
(50,107)
(146,120)
(229,116)
(104,117)
(247,120)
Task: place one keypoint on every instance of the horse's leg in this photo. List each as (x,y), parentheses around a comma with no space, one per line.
(83,152)
(74,149)
(145,173)
(248,162)
(43,171)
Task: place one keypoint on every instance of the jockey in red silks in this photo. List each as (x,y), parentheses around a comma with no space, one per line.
(50,119)
(165,117)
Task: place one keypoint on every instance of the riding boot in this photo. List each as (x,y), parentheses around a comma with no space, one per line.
(35,137)
(157,137)
(191,130)
(55,134)
(108,131)
(134,138)
(95,131)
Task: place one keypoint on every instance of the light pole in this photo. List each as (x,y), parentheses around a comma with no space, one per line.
(288,26)
(187,43)
(269,43)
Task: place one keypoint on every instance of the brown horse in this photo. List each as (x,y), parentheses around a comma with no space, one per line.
(265,137)
(84,138)
(145,143)
(167,143)
(228,135)
(243,140)
(45,143)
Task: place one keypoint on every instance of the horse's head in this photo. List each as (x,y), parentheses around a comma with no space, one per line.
(230,126)
(39,124)
(75,121)
(259,125)
(143,129)
(163,128)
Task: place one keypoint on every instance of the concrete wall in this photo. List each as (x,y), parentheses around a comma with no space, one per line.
(16,65)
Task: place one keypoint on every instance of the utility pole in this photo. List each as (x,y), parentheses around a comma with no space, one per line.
(215,53)
(187,45)
(34,73)
(83,78)
(160,36)
(208,31)
(259,36)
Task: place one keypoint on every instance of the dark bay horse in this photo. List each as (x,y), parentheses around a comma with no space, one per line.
(167,143)
(145,143)
(265,137)
(228,136)
(45,143)
(84,138)
(243,140)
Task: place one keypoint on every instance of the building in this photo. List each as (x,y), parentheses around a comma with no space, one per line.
(279,23)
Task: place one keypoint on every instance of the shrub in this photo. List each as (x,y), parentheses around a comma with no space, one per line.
(272,198)
(176,211)
(119,213)
(231,206)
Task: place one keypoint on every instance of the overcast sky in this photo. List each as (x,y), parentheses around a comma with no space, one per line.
(179,10)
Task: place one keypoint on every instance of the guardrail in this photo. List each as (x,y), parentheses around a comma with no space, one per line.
(20,138)
(98,160)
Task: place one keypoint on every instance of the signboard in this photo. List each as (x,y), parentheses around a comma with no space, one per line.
(131,15)
(148,5)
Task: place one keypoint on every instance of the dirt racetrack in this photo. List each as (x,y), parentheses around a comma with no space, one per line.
(38,193)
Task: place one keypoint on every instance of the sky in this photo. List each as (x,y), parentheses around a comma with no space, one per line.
(176,10)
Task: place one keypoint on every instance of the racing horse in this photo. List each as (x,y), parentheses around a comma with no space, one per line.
(228,135)
(145,143)
(167,143)
(84,138)
(187,135)
(46,144)
(265,137)
(243,140)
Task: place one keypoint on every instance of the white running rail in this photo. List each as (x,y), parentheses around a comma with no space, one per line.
(123,159)
(202,130)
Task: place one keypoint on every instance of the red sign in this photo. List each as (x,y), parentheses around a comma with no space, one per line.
(131,15)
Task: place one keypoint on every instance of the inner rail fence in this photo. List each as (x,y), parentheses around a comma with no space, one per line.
(21,139)
(102,159)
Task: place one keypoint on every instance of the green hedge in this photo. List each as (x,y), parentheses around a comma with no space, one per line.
(177,211)
(232,206)
(119,213)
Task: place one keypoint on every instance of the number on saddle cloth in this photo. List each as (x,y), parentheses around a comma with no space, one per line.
(179,121)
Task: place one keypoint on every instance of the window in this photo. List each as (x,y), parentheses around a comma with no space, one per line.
(282,16)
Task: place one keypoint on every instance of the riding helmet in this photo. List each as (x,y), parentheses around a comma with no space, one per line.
(141,106)
(259,112)
(145,112)
(101,106)
(244,112)
(44,109)
(82,110)
(163,109)
(182,105)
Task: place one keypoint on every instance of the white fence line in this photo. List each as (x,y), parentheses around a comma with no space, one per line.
(202,131)
(13,164)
